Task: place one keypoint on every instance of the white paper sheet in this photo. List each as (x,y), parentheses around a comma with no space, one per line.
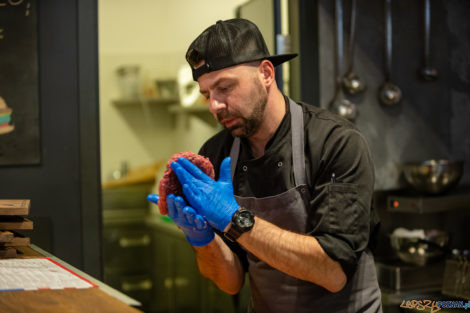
(35,274)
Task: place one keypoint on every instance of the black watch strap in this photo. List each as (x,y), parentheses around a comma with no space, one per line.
(232,234)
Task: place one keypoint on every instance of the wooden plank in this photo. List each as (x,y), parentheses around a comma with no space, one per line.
(7,252)
(17,242)
(59,301)
(27,252)
(15,222)
(14,206)
(6,236)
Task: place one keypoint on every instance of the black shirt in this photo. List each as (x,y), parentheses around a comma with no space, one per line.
(340,209)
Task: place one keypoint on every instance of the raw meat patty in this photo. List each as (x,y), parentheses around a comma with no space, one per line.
(169,184)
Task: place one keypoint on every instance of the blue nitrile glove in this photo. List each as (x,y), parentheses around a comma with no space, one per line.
(212,199)
(194,227)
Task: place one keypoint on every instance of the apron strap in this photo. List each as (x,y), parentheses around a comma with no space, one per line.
(297,133)
(234,152)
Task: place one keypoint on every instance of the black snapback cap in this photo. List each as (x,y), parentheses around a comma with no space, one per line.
(228,43)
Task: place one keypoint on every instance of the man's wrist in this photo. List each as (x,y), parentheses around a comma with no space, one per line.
(242,222)
(228,226)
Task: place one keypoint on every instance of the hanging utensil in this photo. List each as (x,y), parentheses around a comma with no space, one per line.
(427,72)
(389,94)
(351,83)
(339,104)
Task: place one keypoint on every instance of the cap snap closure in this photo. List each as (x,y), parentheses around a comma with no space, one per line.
(279,164)
(245,168)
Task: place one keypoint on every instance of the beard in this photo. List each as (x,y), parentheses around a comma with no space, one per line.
(249,125)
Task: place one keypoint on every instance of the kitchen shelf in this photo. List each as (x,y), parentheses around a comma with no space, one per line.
(137,102)
(192,109)
(199,110)
(173,106)
(406,201)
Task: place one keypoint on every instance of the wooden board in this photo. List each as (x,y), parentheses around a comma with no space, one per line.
(6,236)
(17,242)
(27,252)
(14,206)
(7,252)
(59,301)
(15,222)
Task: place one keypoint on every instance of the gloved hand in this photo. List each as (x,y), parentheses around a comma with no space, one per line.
(213,200)
(194,227)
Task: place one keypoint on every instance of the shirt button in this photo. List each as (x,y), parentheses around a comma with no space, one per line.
(245,168)
(279,164)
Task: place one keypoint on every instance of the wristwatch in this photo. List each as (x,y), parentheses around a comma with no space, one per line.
(242,221)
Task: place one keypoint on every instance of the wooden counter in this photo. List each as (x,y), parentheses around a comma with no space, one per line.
(102,299)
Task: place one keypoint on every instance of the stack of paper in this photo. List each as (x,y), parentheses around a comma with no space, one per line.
(36,274)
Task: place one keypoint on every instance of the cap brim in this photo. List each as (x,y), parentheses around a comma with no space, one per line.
(281,58)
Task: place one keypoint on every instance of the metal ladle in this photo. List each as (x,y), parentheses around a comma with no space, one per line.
(427,72)
(389,94)
(351,83)
(339,104)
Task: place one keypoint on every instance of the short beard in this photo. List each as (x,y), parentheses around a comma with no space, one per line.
(252,123)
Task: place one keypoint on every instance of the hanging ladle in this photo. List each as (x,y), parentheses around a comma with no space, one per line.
(427,72)
(339,104)
(352,85)
(389,94)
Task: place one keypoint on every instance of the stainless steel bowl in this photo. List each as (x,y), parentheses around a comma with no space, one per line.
(421,251)
(433,176)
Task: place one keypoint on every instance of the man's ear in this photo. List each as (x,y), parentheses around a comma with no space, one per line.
(267,73)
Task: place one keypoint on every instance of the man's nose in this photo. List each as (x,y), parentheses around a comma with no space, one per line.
(216,105)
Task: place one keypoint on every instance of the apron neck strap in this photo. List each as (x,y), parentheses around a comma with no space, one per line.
(298,155)
(297,132)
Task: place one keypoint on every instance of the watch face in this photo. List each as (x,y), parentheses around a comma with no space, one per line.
(245,219)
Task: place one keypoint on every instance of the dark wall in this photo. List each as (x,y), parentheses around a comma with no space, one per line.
(68,128)
(433,120)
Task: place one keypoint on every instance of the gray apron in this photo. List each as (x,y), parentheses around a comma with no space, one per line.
(274,291)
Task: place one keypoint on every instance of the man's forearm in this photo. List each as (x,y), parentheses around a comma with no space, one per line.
(218,263)
(297,255)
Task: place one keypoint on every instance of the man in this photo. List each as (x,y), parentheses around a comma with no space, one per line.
(292,200)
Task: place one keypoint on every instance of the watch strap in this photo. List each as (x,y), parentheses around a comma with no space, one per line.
(233,233)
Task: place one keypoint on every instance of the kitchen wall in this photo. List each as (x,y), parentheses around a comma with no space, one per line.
(153,34)
(433,120)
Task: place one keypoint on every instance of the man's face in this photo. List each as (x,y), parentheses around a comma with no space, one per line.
(237,98)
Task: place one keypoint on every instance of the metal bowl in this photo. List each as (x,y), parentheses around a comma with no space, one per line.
(421,250)
(433,176)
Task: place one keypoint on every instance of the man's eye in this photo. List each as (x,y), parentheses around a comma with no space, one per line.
(223,89)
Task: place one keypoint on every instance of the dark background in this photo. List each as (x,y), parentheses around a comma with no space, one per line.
(433,119)
(19,82)
(64,188)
